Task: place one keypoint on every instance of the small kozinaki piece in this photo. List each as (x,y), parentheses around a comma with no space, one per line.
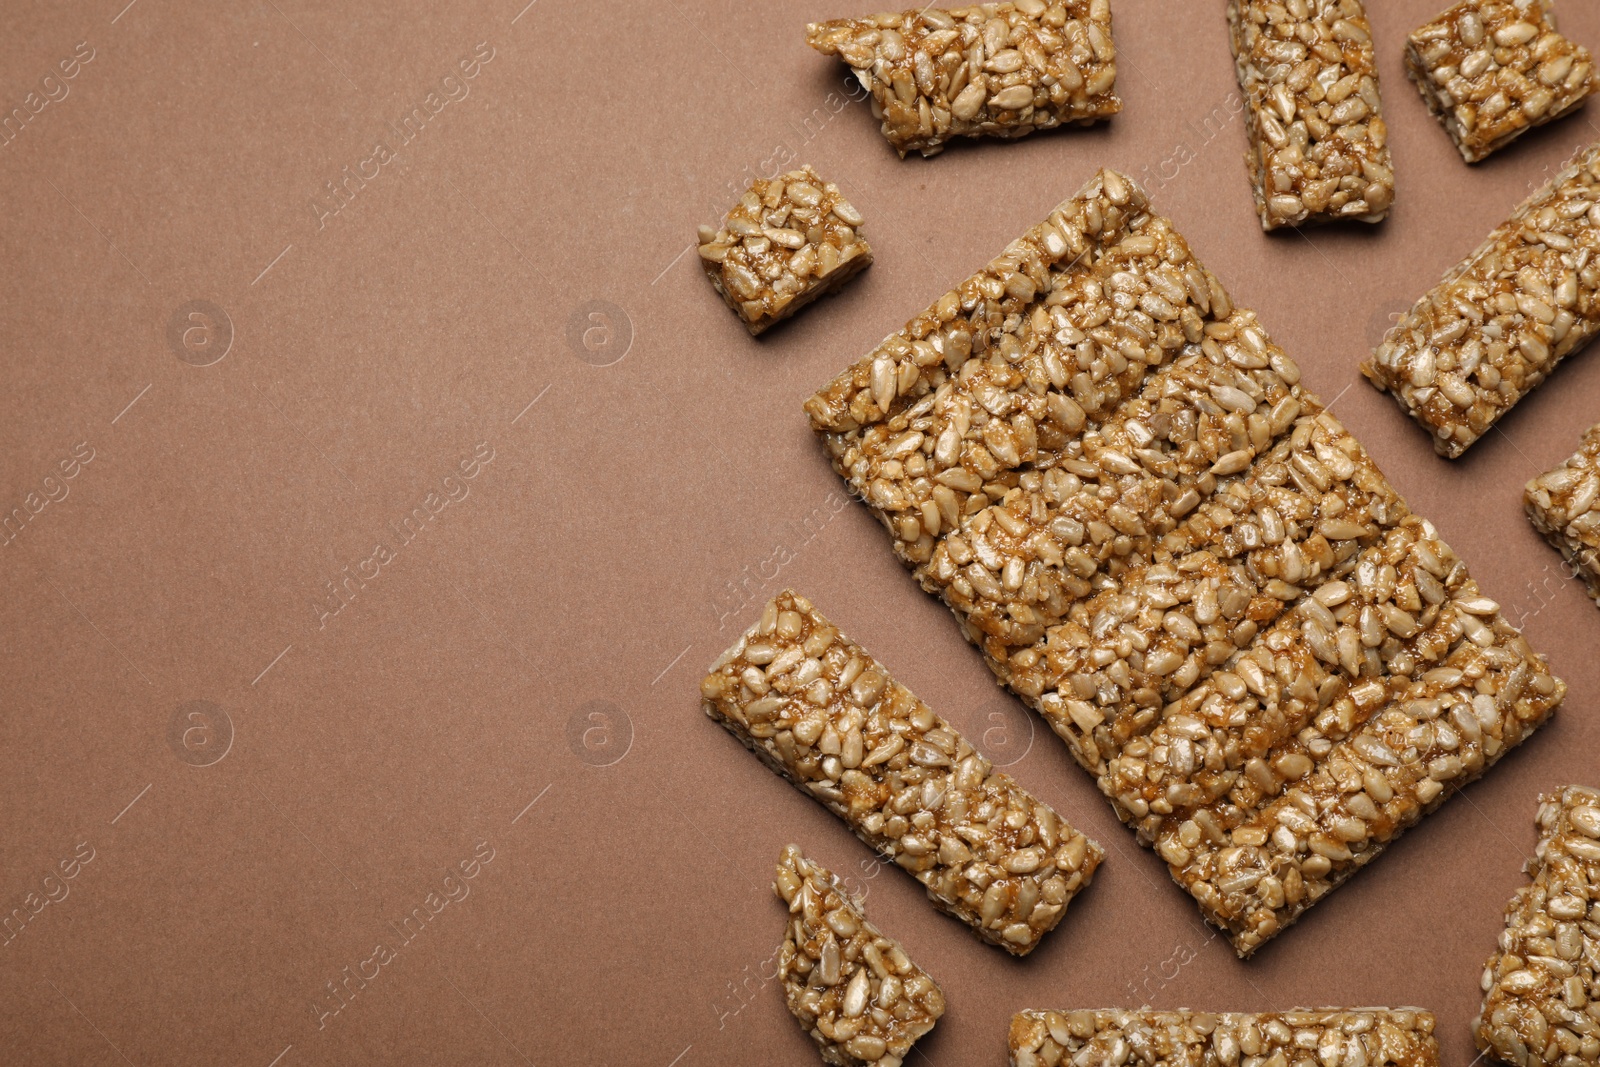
(1318,144)
(828,717)
(1541,993)
(854,990)
(1564,505)
(993,70)
(1402,1037)
(1491,71)
(1502,319)
(786,242)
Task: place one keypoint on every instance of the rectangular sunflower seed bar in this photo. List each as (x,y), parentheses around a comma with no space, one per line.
(1491,70)
(788,240)
(1502,319)
(1378,1037)
(1541,990)
(1319,147)
(991,70)
(1564,505)
(853,989)
(819,710)
(1164,544)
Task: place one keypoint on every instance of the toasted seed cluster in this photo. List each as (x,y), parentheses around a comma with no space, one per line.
(1164,544)
(786,242)
(1319,148)
(854,990)
(1332,1037)
(1491,70)
(828,717)
(1502,319)
(993,70)
(1564,505)
(1541,991)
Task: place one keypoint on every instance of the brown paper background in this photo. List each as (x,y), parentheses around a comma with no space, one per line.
(629,523)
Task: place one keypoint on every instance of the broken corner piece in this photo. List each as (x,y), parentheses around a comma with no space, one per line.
(854,990)
(820,711)
(991,70)
(1564,505)
(788,240)
(1539,988)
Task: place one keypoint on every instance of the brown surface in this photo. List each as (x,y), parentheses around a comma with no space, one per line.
(626,527)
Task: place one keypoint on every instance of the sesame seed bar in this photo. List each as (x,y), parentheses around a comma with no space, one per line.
(1354,1037)
(1503,318)
(1490,71)
(854,990)
(1541,990)
(1164,544)
(786,242)
(1318,144)
(819,710)
(1564,505)
(991,70)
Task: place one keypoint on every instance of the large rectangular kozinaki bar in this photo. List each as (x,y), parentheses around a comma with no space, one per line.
(1402,1037)
(1164,544)
(1501,319)
(818,709)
